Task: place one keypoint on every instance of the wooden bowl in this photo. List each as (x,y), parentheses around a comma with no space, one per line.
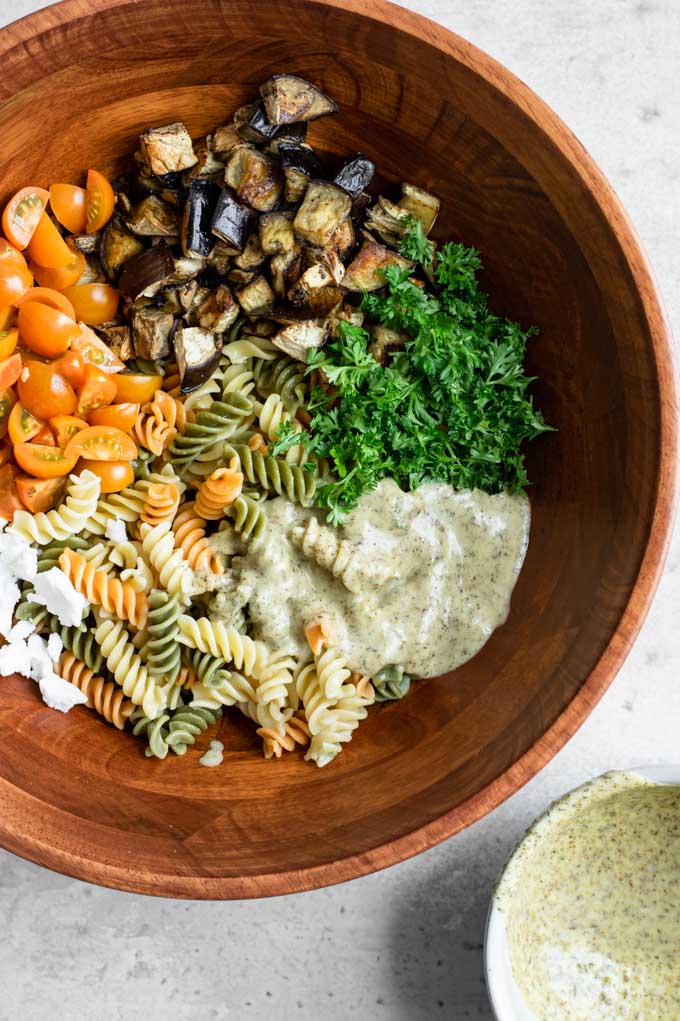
(80,81)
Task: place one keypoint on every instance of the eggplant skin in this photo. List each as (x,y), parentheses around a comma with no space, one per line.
(295,156)
(323,209)
(149,268)
(232,221)
(255,178)
(119,339)
(355,176)
(168,149)
(116,246)
(252,124)
(288,99)
(151,330)
(218,311)
(197,352)
(197,236)
(364,273)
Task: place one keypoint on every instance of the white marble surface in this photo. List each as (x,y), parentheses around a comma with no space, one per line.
(403,945)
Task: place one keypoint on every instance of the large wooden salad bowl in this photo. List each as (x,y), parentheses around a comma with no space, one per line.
(80,80)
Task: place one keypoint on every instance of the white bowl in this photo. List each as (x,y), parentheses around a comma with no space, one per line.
(507,1001)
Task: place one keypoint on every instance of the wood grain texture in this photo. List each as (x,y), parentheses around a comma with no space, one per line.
(75,795)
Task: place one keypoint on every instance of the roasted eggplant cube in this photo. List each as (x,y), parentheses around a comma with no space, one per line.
(347,314)
(384,342)
(151,329)
(343,240)
(294,185)
(252,125)
(218,311)
(420,204)
(220,258)
(225,138)
(276,233)
(119,339)
(197,236)
(116,246)
(154,218)
(285,270)
(208,165)
(257,297)
(146,272)
(197,352)
(255,178)
(323,209)
(86,243)
(355,176)
(312,279)
(186,268)
(232,221)
(300,157)
(366,271)
(168,149)
(288,99)
(297,339)
(252,255)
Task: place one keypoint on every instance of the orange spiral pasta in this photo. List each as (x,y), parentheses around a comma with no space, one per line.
(161,503)
(189,531)
(257,442)
(158,422)
(219,491)
(171,379)
(114,596)
(296,732)
(105,697)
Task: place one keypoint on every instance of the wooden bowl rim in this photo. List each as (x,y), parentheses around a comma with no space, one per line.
(558,135)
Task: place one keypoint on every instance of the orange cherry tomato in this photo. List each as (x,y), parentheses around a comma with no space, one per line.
(63,276)
(45,330)
(7,317)
(5,454)
(68,205)
(39,494)
(15,278)
(43,461)
(94,303)
(114,475)
(100,201)
(45,392)
(65,427)
(10,370)
(9,497)
(96,352)
(102,443)
(72,367)
(97,390)
(7,401)
(120,416)
(48,296)
(22,214)
(136,388)
(46,437)
(8,341)
(47,247)
(22,425)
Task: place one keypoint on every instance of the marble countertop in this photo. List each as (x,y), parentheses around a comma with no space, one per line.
(405,944)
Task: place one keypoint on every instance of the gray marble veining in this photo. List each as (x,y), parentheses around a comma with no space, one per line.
(404,945)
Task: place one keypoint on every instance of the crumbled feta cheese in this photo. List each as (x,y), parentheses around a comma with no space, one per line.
(15,659)
(21,630)
(10,596)
(55,647)
(41,664)
(18,556)
(55,591)
(115,530)
(60,694)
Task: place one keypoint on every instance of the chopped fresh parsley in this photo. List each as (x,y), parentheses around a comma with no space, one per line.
(451,405)
(414,245)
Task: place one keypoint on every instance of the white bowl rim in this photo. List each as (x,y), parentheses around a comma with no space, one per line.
(507,1003)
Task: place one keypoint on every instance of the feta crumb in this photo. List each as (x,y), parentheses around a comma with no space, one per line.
(18,556)
(213,756)
(60,694)
(21,630)
(55,591)
(15,659)
(55,647)
(41,664)
(115,530)
(10,597)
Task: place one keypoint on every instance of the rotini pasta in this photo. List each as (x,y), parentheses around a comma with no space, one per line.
(105,697)
(247,517)
(159,421)
(391,683)
(219,422)
(296,734)
(284,377)
(127,668)
(160,652)
(338,723)
(99,589)
(225,643)
(158,545)
(272,473)
(160,503)
(219,491)
(69,518)
(250,347)
(332,672)
(189,532)
(127,505)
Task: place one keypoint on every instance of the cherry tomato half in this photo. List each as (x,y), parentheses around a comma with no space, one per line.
(45,330)
(96,352)
(64,276)
(15,278)
(65,427)
(120,416)
(96,391)
(9,497)
(47,247)
(114,475)
(68,205)
(72,367)
(22,425)
(39,494)
(100,201)
(102,443)
(22,214)
(94,303)
(136,388)
(7,317)
(7,401)
(10,370)
(8,341)
(42,461)
(48,296)
(45,392)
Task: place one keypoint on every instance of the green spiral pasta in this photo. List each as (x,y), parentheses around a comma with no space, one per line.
(185,725)
(391,683)
(81,642)
(284,377)
(155,731)
(247,517)
(218,422)
(161,652)
(35,613)
(273,473)
(48,556)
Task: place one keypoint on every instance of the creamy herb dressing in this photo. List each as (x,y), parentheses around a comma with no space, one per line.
(431,574)
(592,904)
